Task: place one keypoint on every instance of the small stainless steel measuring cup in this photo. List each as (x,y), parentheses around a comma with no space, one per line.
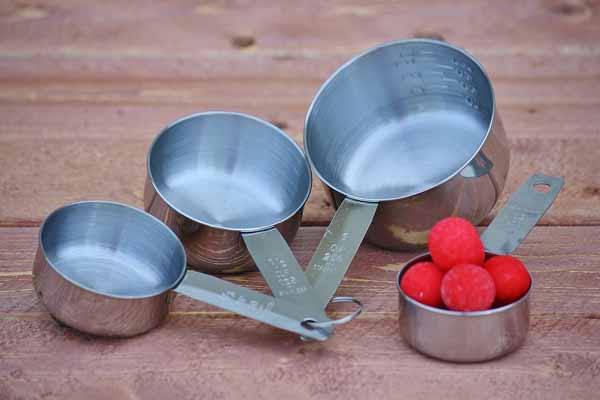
(232,187)
(481,335)
(109,269)
(402,135)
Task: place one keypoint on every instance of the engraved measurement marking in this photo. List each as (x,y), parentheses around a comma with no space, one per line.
(407,57)
(468,87)
(461,74)
(286,281)
(333,256)
(410,75)
(255,307)
(519,219)
(461,64)
(463,70)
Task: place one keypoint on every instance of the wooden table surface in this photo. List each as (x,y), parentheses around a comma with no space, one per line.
(85,86)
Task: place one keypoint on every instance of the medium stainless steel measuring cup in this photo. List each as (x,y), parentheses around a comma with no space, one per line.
(232,187)
(402,135)
(109,269)
(215,178)
(481,335)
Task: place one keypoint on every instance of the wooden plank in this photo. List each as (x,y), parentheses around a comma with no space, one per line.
(96,92)
(106,25)
(197,352)
(70,153)
(89,128)
(85,86)
(188,358)
(575,61)
(138,40)
(561,259)
(288,94)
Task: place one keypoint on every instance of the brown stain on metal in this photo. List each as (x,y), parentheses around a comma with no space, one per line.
(417,238)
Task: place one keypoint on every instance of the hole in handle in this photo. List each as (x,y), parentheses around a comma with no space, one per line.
(307,323)
(542,187)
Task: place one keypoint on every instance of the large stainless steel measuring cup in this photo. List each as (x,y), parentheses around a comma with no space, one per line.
(231,187)
(109,269)
(402,135)
(481,335)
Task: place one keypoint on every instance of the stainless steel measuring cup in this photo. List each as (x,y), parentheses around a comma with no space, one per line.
(402,135)
(216,177)
(109,269)
(232,187)
(481,335)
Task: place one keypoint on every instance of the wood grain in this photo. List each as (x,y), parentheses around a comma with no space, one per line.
(85,86)
(191,39)
(81,102)
(198,351)
(52,153)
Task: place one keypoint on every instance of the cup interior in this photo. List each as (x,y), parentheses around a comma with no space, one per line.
(398,120)
(112,249)
(229,171)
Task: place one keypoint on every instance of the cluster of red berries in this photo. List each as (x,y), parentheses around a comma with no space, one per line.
(460,277)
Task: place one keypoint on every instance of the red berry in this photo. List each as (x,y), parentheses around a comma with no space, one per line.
(454,241)
(422,283)
(510,276)
(468,287)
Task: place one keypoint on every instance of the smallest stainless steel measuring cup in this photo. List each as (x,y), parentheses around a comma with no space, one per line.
(481,335)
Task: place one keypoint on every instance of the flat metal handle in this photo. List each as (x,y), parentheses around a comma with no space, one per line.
(286,279)
(279,267)
(521,213)
(250,303)
(338,247)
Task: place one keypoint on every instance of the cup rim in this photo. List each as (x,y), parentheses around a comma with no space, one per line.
(129,208)
(239,115)
(462,314)
(365,53)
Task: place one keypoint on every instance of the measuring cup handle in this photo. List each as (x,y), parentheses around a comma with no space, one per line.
(521,213)
(280,269)
(337,248)
(250,303)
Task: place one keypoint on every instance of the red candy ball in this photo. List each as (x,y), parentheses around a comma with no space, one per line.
(454,241)
(468,287)
(422,283)
(510,276)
